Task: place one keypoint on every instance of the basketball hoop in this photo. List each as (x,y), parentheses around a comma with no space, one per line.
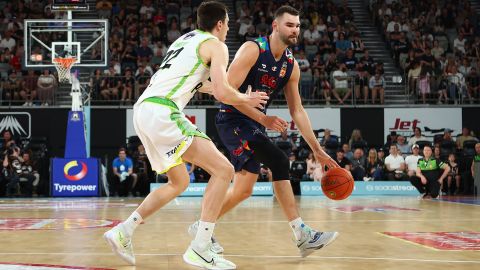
(63,66)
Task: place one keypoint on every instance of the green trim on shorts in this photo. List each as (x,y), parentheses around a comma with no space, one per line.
(176,115)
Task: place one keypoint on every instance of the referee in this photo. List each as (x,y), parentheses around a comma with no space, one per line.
(429,174)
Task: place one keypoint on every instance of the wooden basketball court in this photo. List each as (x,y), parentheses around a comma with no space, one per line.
(375,233)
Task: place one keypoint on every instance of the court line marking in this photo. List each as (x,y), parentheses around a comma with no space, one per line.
(254,256)
(321,221)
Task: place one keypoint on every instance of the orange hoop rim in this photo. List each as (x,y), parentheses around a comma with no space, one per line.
(65,62)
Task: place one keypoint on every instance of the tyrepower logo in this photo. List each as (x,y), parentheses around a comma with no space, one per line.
(19,123)
(72,166)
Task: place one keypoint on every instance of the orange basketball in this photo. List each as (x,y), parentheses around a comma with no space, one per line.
(337,184)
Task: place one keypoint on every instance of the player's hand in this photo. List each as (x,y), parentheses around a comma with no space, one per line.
(256,99)
(274,123)
(325,161)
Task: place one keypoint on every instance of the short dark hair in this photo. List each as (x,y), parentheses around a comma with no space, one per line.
(209,13)
(286,9)
(427,145)
(122,150)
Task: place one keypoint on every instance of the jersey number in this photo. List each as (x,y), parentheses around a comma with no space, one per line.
(170,55)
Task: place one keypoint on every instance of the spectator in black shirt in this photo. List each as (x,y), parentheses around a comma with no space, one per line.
(428,62)
(110,85)
(128,85)
(473,85)
(342,161)
(350,61)
(358,165)
(144,52)
(401,46)
(129,58)
(374,166)
(368,62)
(143,170)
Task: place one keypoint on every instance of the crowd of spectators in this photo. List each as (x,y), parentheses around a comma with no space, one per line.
(437,44)
(334,63)
(19,171)
(447,161)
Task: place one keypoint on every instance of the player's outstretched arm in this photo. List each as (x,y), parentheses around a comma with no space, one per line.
(217,52)
(244,60)
(300,117)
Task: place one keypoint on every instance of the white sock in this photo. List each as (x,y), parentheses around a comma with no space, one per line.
(131,223)
(297,227)
(204,234)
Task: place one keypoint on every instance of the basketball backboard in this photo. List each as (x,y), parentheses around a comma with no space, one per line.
(85,39)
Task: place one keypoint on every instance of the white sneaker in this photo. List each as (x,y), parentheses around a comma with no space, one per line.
(312,240)
(120,243)
(207,259)
(25,104)
(192,231)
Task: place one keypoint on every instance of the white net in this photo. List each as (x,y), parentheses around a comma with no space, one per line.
(63,66)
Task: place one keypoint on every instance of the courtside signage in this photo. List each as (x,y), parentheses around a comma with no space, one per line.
(197,189)
(365,188)
(74,177)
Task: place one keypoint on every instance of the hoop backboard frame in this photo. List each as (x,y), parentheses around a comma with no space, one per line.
(94,30)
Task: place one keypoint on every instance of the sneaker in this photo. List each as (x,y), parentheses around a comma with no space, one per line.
(120,243)
(207,259)
(192,231)
(312,240)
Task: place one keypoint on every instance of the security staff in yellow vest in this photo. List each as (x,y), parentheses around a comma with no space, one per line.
(429,174)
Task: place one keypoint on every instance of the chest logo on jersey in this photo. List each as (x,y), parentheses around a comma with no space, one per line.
(283,71)
(268,81)
(263,69)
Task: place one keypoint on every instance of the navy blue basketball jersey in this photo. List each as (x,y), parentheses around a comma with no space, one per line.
(267,75)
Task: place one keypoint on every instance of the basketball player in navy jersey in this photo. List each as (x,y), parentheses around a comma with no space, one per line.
(267,65)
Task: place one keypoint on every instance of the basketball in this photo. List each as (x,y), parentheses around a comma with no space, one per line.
(337,184)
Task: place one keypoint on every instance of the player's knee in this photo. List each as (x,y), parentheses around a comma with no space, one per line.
(244,193)
(225,171)
(180,186)
(280,168)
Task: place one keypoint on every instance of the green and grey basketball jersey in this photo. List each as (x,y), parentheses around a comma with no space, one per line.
(182,70)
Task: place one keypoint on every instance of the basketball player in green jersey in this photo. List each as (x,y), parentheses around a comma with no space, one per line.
(170,138)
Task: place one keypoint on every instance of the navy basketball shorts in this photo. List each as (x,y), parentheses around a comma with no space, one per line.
(248,146)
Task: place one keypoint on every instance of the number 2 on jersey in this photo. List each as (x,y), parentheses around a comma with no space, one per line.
(170,55)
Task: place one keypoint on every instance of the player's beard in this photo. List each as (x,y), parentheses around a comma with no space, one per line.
(288,40)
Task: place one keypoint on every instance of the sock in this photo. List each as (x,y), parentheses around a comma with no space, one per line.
(131,223)
(204,234)
(297,227)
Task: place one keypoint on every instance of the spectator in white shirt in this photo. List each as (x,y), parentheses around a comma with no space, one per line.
(412,160)
(311,35)
(377,85)
(391,25)
(417,136)
(395,164)
(340,79)
(459,44)
(7,41)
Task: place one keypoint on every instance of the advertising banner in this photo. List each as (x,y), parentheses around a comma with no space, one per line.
(197,189)
(321,118)
(366,188)
(74,177)
(431,121)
